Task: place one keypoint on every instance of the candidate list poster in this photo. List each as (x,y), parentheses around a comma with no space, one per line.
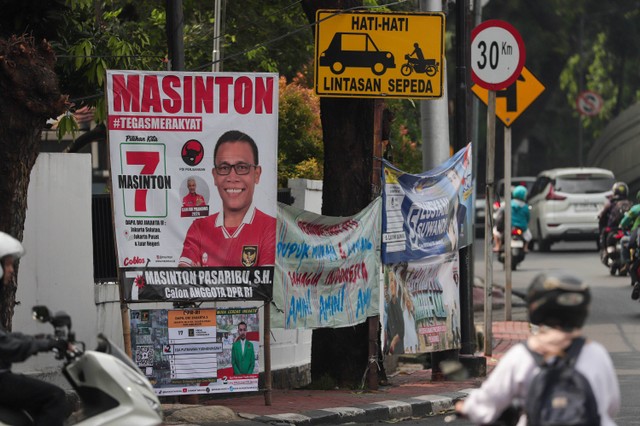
(197,351)
(174,243)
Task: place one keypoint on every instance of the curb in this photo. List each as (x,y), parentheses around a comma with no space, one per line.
(398,409)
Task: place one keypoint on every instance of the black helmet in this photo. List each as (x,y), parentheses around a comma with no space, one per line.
(620,190)
(558,300)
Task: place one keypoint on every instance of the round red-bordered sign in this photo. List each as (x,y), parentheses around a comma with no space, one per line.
(497,54)
(589,103)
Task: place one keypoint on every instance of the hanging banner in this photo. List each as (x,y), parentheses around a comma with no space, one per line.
(422,306)
(427,214)
(197,351)
(174,204)
(327,268)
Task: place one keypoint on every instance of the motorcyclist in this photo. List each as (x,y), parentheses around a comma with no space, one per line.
(613,211)
(631,222)
(558,303)
(520,215)
(45,402)
(419,57)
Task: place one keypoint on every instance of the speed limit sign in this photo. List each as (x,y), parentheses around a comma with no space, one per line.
(497,54)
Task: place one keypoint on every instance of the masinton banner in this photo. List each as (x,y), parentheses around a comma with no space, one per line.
(197,351)
(188,226)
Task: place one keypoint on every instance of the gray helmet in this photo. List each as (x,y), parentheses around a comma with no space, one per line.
(558,300)
(9,246)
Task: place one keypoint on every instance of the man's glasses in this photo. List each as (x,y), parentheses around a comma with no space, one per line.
(240,168)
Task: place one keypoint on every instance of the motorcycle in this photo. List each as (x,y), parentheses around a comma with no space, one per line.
(426,66)
(517,248)
(611,248)
(111,388)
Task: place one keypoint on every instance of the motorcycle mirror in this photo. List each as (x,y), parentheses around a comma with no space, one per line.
(61,319)
(41,313)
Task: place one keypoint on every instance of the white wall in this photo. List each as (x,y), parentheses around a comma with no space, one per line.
(57,269)
(307,194)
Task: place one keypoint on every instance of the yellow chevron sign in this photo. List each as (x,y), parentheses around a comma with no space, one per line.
(512,101)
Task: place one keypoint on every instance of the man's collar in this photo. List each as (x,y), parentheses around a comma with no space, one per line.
(248,217)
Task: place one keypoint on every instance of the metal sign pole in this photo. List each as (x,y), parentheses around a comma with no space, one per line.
(488,221)
(507,223)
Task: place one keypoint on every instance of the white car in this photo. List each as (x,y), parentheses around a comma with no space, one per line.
(565,203)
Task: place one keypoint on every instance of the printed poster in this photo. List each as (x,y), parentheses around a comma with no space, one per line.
(327,269)
(427,214)
(197,351)
(188,226)
(422,305)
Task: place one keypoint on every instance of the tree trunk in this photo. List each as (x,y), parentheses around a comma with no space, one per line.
(347,125)
(29,95)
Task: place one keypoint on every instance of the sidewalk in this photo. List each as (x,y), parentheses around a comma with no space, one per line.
(410,394)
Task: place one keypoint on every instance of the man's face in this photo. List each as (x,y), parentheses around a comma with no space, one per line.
(242,331)
(7,266)
(192,186)
(236,191)
(454,178)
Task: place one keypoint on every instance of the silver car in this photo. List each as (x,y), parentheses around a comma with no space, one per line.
(565,203)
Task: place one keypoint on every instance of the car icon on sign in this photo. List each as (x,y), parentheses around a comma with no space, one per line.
(355,50)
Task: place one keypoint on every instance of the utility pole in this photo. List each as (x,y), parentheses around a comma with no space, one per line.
(434,124)
(174,28)
(217,30)
(434,121)
(467,327)
(580,89)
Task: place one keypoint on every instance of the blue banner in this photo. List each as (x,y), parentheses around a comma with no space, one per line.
(427,214)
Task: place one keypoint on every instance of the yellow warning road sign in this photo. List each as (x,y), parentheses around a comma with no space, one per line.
(364,54)
(513,100)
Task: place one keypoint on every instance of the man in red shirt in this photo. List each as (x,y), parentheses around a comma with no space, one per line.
(239,235)
(192,199)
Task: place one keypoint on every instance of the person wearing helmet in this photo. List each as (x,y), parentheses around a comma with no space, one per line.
(558,304)
(520,215)
(631,222)
(45,402)
(619,203)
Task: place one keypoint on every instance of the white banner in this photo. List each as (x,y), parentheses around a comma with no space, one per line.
(163,128)
(174,205)
(327,268)
(197,351)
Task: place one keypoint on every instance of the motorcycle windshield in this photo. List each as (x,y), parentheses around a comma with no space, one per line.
(108,347)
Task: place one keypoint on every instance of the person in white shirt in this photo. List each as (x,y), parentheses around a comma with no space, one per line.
(559,304)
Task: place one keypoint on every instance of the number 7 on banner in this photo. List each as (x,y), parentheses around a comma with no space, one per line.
(143,182)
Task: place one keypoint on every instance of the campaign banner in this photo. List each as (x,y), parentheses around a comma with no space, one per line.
(327,268)
(197,351)
(174,204)
(422,305)
(197,284)
(429,213)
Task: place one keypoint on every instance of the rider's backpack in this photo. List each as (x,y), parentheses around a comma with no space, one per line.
(617,212)
(560,394)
